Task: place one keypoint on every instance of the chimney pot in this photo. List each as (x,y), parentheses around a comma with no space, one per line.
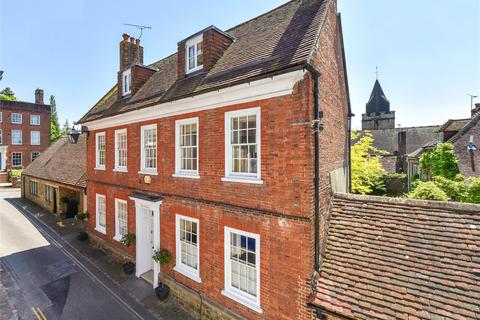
(39,96)
(132,39)
(125,36)
(137,42)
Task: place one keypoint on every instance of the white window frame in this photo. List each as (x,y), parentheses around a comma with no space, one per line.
(230,176)
(119,236)
(99,166)
(32,141)
(143,170)
(21,137)
(34,116)
(117,158)
(189,43)
(1,136)
(31,155)
(232,292)
(19,115)
(1,117)
(21,160)
(33,186)
(47,193)
(127,82)
(98,227)
(184,269)
(178,156)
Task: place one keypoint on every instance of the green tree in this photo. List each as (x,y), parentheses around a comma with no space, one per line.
(367,171)
(7,94)
(428,191)
(473,190)
(440,161)
(55,132)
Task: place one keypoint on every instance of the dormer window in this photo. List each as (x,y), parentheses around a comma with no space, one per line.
(126,79)
(194,54)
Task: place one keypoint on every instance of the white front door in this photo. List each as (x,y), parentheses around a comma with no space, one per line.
(148,232)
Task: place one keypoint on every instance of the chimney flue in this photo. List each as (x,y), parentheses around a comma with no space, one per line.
(39,96)
(125,36)
(131,52)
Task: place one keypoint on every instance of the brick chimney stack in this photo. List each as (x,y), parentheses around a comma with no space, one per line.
(476,109)
(131,52)
(39,96)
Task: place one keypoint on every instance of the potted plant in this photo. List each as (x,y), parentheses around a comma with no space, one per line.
(162,256)
(128,239)
(81,216)
(82,236)
(128,267)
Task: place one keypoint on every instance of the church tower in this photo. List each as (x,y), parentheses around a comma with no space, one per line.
(378,114)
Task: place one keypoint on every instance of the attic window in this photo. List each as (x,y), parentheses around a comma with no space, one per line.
(126,80)
(194,54)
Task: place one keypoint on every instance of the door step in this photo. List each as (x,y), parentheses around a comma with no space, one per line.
(147,276)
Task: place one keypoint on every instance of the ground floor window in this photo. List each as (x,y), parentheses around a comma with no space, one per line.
(48,193)
(33,186)
(101,214)
(121,218)
(16,159)
(187,255)
(242,267)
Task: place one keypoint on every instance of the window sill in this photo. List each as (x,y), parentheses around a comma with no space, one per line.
(186,175)
(149,173)
(117,238)
(99,168)
(187,273)
(101,230)
(120,170)
(243,300)
(242,180)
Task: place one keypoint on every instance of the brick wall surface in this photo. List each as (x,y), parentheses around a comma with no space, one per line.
(26,148)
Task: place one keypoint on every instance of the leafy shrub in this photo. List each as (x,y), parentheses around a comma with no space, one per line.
(455,189)
(440,161)
(162,256)
(128,239)
(81,216)
(395,184)
(14,174)
(473,190)
(428,191)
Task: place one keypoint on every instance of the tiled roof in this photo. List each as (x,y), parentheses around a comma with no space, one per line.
(453,125)
(62,162)
(467,126)
(275,41)
(391,258)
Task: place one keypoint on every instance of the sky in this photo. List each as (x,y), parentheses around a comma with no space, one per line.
(427,52)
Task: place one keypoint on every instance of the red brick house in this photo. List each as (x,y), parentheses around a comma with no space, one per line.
(24,132)
(221,153)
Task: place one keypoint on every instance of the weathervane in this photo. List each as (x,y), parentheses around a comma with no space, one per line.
(138,27)
(376,72)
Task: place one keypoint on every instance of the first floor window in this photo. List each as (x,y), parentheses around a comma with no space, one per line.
(100,150)
(187,255)
(33,188)
(48,193)
(121,149)
(35,138)
(17,137)
(101,214)
(35,155)
(242,143)
(149,148)
(35,120)
(16,118)
(16,159)
(242,267)
(186,132)
(121,218)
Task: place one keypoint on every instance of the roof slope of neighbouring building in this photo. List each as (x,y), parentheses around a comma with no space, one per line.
(391,258)
(276,41)
(63,162)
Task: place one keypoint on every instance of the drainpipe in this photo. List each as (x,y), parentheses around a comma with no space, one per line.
(317,127)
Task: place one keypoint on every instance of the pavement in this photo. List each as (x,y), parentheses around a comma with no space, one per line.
(46,273)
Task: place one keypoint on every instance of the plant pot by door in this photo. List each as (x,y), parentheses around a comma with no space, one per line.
(128,267)
(82,236)
(162,292)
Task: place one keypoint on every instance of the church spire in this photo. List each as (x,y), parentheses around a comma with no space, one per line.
(378,102)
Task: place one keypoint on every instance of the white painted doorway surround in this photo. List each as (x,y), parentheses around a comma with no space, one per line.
(147,223)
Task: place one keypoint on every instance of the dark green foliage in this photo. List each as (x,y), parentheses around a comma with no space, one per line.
(162,256)
(395,184)
(428,191)
(7,94)
(81,216)
(128,239)
(55,132)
